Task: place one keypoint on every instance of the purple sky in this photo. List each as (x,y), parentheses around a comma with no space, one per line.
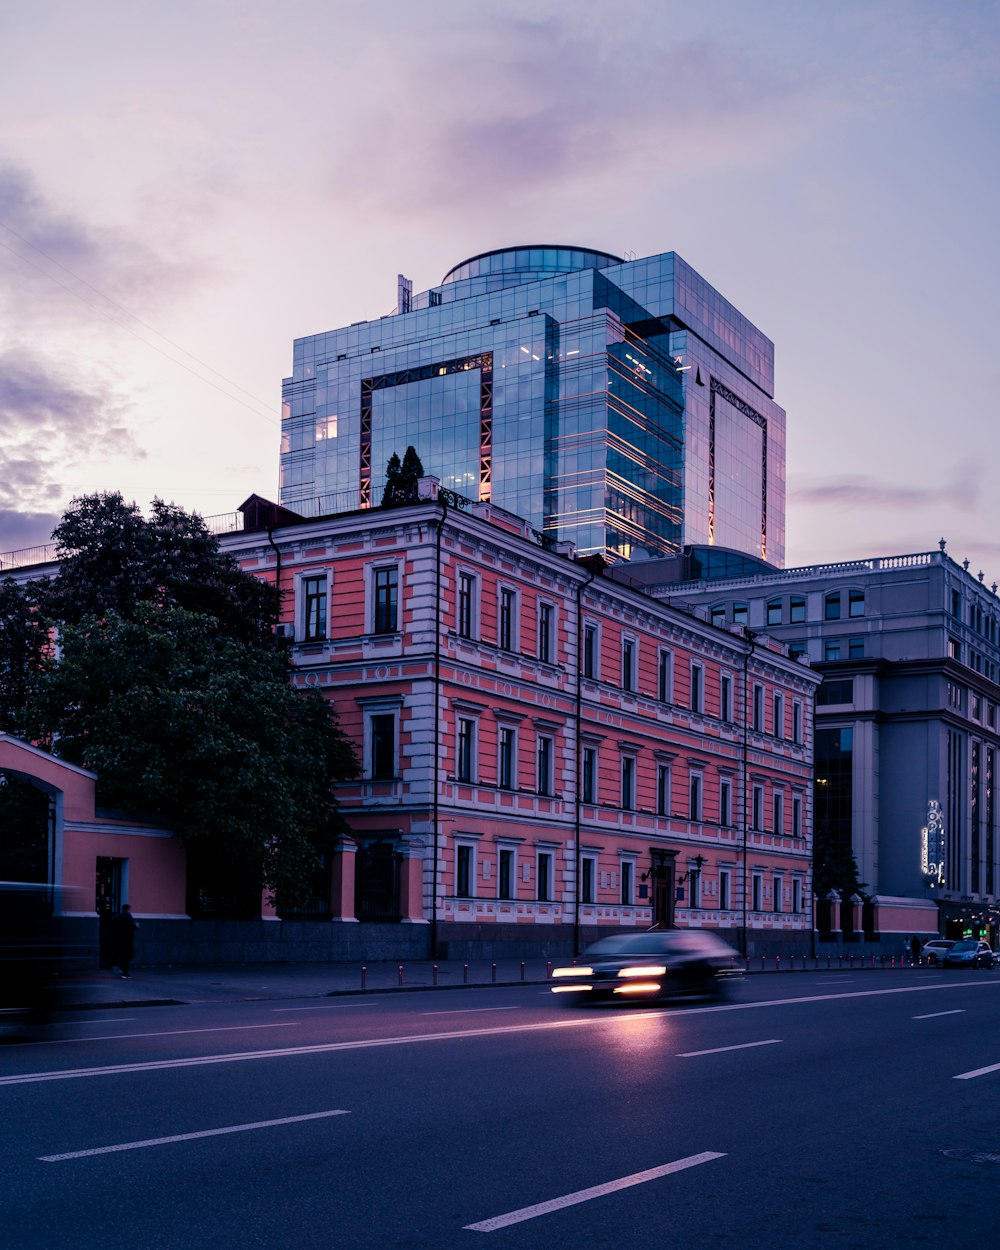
(186,187)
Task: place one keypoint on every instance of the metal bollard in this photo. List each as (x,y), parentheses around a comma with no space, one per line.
(493,973)
(465,974)
(400,974)
(777,963)
(364,975)
(548,970)
(435,974)
(522,969)
(762,963)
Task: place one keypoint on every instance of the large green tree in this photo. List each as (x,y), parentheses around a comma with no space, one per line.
(168,683)
(23,641)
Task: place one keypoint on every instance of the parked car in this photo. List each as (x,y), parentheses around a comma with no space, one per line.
(932,951)
(968,953)
(655,964)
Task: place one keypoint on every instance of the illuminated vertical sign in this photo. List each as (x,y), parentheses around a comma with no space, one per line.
(932,845)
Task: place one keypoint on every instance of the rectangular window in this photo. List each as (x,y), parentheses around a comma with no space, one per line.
(590,651)
(796,816)
(831,607)
(507,755)
(774,612)
(777,888)
(725,889)
(543,874)
(663,790)
(589,778)
(628,782)
(694,795)
(856,648)
(796,896)
(778,812)
(506,873)
(314,608)
(463,871)
(725,802)
(831,649)
(466,604)
(382,763)
(666,677)
(628,882)
(757,892)
(544,765)
(855,603)
(758,708)
(726,698)
(796,609)
(779,716)
(697,687)
(588,879)
(505,629)
(545,632)
(628,664)
(466,749)
(797,722)
(757,821)
(386,592)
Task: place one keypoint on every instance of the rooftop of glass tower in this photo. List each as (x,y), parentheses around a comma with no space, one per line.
(523,264)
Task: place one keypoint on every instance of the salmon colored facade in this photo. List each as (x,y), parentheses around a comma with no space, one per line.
(96,860)
(546,752)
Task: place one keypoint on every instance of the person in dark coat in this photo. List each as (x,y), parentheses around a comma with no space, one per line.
(123,927)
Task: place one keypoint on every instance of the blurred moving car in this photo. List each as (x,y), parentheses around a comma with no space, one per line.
(655,964)
(39,950)
(968,953)
(932,951)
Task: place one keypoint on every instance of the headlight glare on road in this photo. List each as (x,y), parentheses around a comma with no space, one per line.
(572,972)
(643,970)
(638,987)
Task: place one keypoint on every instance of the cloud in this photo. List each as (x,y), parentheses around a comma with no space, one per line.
(50,423)
(552,105)
(865,491)
(57,269)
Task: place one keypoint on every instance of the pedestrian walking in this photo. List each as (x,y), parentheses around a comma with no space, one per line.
(123,927)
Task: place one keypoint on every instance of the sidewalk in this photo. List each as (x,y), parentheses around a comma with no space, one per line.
(247,982)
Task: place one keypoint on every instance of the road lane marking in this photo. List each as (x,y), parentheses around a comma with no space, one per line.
(124,1037)
(325,1007)
(166,1141)
(464,1011)
(718,1050)
(959,1011)
(967,1076)
(32,1078)
(595,1191)
(108,1020)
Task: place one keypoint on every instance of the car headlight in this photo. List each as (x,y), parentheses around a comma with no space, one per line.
(572,972)
(638,987)
(643,970)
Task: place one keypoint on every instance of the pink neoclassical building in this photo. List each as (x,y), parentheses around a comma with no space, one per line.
(546,752)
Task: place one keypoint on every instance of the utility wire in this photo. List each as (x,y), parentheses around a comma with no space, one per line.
(128,329)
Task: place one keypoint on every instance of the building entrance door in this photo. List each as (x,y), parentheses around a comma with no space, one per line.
(662,872)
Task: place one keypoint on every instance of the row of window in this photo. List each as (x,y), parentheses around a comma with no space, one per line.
(791,609)
(595,883)
(314,591)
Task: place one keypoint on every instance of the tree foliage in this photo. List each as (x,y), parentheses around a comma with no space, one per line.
(112,559)
(401,478)
(169,685)
(23,641)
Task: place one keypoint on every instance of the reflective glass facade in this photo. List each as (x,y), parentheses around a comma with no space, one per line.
(622,405)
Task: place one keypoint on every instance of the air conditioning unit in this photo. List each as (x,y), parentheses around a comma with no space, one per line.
(285,629)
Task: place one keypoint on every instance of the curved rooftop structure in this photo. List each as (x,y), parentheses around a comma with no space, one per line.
(524,264)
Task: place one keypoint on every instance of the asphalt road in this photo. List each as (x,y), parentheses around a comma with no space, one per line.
(837,1110)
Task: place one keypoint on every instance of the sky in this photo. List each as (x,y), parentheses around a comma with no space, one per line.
(186,187)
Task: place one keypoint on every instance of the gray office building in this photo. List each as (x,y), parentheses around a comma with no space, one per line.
(623,405)
(906,730)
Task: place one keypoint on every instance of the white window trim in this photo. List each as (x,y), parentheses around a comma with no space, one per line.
(697,705)
(592,859)
(631,672)
(301,576)
(596,627)
(474,606)
(466,843)
(380,707)
(501,729)
(515,620)
(368,572)
(665,653)
(550,852)
(630,862)
(553,655)
(512,850)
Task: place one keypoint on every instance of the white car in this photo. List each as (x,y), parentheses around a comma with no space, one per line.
(933,951)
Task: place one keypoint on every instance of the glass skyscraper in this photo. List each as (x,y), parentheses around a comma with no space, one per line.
(623,405)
